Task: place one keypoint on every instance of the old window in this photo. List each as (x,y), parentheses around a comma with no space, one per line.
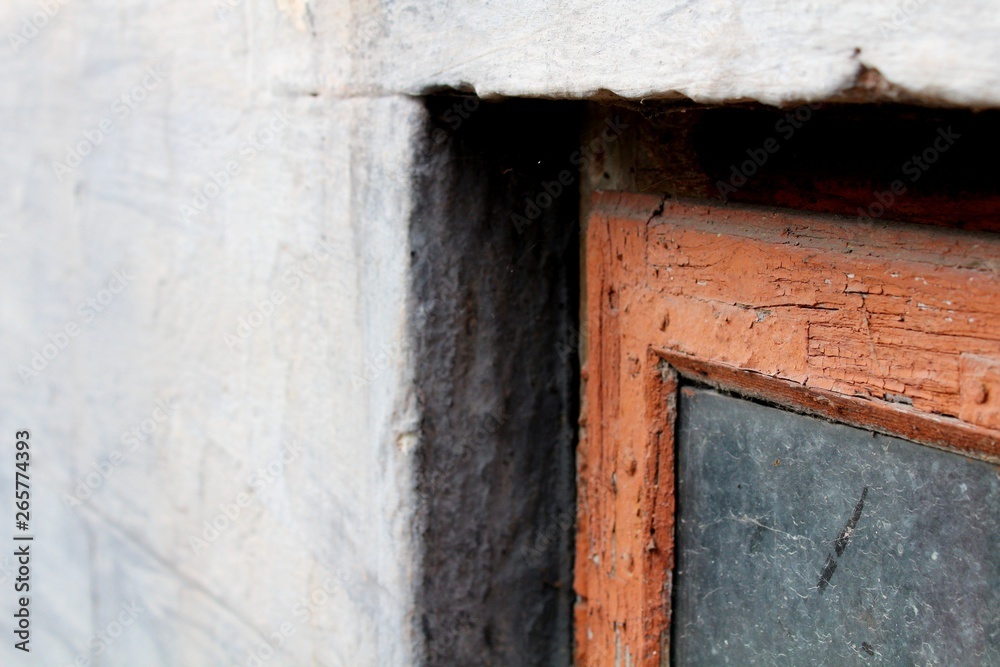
(753,275)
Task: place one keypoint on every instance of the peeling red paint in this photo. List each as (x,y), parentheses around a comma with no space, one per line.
(868,321)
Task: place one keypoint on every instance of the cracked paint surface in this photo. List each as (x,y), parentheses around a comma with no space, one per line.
(871,315)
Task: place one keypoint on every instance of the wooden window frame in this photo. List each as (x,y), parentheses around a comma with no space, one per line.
(892,327)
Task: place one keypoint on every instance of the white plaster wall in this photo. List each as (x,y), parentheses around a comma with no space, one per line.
(710,50)
(338,171)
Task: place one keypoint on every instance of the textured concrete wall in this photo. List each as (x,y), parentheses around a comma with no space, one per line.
(253,161)
(496,344)
(299,419)
(710,50)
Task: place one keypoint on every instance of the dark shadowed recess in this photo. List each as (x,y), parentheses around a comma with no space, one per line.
(869,162)
(495,335)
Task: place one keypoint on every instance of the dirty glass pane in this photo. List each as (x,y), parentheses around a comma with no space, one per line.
(802,542)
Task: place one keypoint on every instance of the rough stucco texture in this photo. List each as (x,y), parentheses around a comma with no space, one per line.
(709,50)
(299,420)
(496,305)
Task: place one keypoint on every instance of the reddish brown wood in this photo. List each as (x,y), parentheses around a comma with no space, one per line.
(866,324)
(980,391)
(893,419)
(880,310)
(626,503)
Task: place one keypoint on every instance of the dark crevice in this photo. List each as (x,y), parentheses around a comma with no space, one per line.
(495,291)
